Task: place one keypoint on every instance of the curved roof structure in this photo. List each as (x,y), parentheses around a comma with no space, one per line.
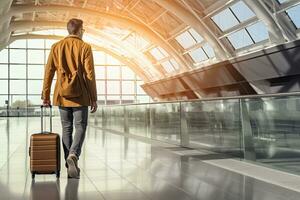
(160,38)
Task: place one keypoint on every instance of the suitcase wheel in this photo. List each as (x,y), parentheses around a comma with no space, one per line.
(32,175)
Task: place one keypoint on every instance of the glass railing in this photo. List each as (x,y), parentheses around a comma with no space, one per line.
(261,128)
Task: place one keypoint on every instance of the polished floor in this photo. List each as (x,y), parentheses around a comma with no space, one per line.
(118,168)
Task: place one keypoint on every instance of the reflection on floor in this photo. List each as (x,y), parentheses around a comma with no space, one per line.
(114,167)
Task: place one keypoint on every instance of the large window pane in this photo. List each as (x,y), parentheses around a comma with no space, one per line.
(4,56)
(36,56)
(17,56)
(198,55)
(18,101)
(196,35)
(100,72)
(258,32)
(113,87)
(240,39)
(34,100)
(140,90)
(18,87)
(294,14)
(209,50)
(242,11)
(185,40)
(168,66)
(3,99)
(128,87)
(225,19)
(113,72)
(35,86)
(18,44)
(49,43)
(4,71)
(18,71)
(36,44)
(35,71)
(127,73)
(4,87)
(100,87)
(112,61)
(99,58)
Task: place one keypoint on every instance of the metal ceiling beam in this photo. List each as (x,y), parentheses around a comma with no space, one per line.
(277,34)
(131,64)
(196,23)
(117,20)
(110,41)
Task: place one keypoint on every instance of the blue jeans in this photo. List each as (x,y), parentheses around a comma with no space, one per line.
(78,117)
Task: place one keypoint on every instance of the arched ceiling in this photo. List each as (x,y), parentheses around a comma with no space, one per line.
(156,24)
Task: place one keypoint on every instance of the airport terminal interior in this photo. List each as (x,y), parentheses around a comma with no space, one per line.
(197,99)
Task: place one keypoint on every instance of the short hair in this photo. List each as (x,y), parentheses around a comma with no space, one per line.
(74,26)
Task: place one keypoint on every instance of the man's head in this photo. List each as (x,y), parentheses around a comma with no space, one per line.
(75,27)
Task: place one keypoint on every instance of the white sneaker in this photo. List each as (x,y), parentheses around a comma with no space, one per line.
(73,170)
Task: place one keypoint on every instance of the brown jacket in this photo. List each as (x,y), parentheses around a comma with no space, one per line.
(67,56)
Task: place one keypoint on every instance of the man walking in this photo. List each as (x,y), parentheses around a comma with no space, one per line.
(75,90)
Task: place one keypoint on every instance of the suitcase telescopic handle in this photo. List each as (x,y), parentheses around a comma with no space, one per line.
(42,118)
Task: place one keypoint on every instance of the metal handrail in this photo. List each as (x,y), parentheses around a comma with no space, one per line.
(213,99)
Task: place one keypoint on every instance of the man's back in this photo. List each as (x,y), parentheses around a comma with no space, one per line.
(68,56)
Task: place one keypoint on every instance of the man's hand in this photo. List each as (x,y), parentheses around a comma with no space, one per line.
(46,103)
(94,107)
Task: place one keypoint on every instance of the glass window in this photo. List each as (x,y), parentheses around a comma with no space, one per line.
(196,35)
(99,57)
(4,87)
(18,44)
(258,32)
(17,56)
(100,87)
(18,101)
(143,99)
(100,72)
(209,50)
(34,100)
(3,99)
(185,40)
(174,63)
(198,55)
(35,71)
(158,53)
(113,87)
(47,55)
(168,66)
(140,90)
(112,61)
(127,73)
(18,71)
(242,11)
(128,87)
(36,56)
(113,72)
(36,43)
(225,19)
(294,14)
(4,56)
(4,71)
(49,43)
(240,39)
(18,86)
(35,86)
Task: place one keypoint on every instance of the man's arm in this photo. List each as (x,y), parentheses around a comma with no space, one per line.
(48,77)
(90,78)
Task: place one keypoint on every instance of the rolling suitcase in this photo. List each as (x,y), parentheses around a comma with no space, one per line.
(44,150)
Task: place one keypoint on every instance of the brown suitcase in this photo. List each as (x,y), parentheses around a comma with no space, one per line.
(44,151)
